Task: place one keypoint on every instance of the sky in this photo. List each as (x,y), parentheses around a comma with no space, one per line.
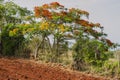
(105,12)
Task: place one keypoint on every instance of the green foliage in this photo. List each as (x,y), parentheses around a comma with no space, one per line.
(11,15)
(59,25)
(23,50)
(10,44)
(92,52)
(111,68)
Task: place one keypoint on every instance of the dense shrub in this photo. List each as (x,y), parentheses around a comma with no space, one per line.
(10,44)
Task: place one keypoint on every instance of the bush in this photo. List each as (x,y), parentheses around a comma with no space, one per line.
(111,67)
(90,52)
(10,43)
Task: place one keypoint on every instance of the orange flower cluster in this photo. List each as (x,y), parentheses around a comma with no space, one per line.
(46,13)
(91,24)
(45,6)
(63,13)
(42,12)
(87,24)
(53,5)
(56,4)
(37,11)
(83,23)
(109,42)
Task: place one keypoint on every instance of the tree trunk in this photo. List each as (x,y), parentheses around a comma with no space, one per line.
(36,52)
(50,48)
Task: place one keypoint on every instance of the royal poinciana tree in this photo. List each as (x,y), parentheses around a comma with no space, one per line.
(68,24)
(60,25)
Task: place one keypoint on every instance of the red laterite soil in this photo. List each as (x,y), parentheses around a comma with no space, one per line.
(20,69)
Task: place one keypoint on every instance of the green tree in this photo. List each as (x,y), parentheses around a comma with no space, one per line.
(11,15)
(68,24)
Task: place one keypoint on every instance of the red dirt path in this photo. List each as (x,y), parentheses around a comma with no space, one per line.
(19,69)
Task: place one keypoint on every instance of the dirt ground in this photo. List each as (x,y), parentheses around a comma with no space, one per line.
(20,69)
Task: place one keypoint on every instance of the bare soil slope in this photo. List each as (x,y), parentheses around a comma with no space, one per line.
(20,69)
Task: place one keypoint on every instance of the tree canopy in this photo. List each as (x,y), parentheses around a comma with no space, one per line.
(57,24)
